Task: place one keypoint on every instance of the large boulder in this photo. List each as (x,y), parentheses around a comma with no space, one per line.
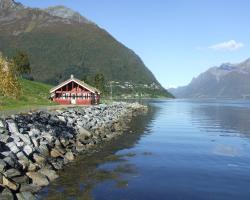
(49,173)
(38,178)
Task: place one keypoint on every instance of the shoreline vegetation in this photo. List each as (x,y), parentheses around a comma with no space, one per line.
(34,146)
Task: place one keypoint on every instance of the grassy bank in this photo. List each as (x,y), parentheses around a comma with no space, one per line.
(33,94)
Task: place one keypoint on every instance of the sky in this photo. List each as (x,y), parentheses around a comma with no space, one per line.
(176,39)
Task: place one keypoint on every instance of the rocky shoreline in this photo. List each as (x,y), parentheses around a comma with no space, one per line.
(34,146)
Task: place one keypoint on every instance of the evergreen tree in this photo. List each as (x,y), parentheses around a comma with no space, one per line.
(99,82)
(22,63)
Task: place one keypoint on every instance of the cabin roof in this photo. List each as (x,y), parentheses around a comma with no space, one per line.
(81,83)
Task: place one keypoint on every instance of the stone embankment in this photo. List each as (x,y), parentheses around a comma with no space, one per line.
(34,146)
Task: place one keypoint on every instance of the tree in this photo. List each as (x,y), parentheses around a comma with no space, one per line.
(99,82)
(9,85)
(22,63)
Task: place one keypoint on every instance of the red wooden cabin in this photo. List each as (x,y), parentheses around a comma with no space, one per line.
(74,91)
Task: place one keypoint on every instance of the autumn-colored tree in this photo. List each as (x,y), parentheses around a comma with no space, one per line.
(9,85)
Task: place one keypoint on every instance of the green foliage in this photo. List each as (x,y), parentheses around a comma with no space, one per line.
(33,94)
(99,82)
(22,63)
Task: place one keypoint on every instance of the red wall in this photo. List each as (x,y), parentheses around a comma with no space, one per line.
(83,101)
(63,101)
(74,88)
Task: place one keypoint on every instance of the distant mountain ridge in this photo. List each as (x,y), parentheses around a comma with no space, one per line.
(225,81)
(61,42)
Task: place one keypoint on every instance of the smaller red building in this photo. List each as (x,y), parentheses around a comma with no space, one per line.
(74,91)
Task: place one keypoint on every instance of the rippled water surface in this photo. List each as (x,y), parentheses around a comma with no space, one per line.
(182,149)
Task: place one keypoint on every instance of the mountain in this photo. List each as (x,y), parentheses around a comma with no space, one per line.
(61,42)
(225,81)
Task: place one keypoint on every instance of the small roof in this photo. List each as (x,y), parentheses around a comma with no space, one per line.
(81,83)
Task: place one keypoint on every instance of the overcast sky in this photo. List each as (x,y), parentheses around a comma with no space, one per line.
(176,39)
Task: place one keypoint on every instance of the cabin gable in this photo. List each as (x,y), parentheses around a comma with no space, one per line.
(74,91)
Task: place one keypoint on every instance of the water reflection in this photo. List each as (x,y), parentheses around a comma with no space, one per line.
(102,166)
(224,117)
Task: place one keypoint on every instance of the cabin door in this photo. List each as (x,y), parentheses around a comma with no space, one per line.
(73,99)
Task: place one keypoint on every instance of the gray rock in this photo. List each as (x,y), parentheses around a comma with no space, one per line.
(20,155)
(3,165)
(9,161)
(21,179)
(15,137)
(25,196)
(29,188)
(57,164)
(3,131)
(5,138)
(28,150)
(48,137)
(38,178)
(24,138)
(13,147)
(19,144)
(49,173)
(55,153)
(38,159)
(6,195)
(43,150)
(32,167)
(83,134)
(6,182)
(61,118)
(34,141)
(10,173)
(23,160)
(12,126)
(64,142)
(33,132)
(2,123)
(69,156)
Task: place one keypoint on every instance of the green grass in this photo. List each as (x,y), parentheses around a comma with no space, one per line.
(33,94)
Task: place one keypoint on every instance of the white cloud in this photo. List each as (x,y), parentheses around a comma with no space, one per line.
(230,45)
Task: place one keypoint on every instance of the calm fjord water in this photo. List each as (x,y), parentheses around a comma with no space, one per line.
(182,149)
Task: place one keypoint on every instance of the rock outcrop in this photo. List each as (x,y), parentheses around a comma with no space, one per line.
(34,146)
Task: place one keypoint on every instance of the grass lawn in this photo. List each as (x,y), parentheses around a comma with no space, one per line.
(33,94)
